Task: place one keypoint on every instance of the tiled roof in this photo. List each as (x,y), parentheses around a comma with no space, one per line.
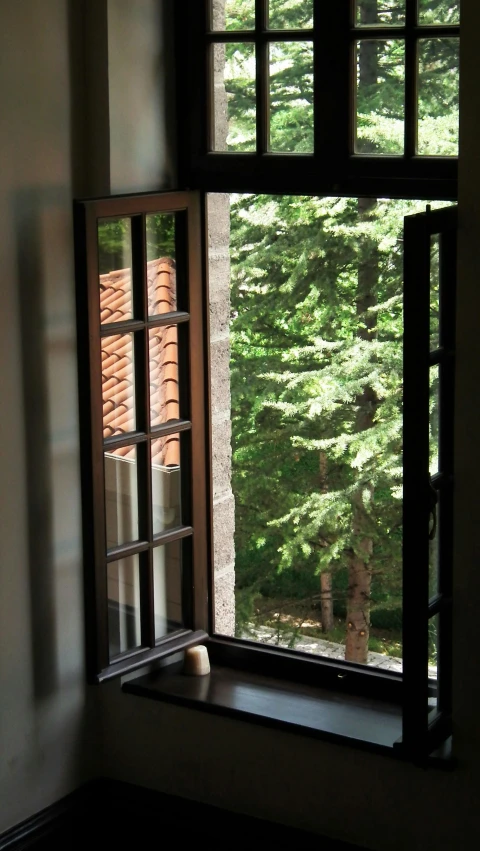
(117,359)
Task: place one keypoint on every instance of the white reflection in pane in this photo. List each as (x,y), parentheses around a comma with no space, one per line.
(121,496)
(167,573)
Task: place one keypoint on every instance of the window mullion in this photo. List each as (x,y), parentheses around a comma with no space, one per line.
(261,83)
(411,81)
(333,97)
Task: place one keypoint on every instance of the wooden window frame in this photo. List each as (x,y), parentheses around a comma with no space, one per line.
(332,169)
(90,332)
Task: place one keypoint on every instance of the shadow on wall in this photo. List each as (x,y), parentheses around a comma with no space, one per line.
(45,278)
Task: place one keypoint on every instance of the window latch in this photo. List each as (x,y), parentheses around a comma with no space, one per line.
(432,504)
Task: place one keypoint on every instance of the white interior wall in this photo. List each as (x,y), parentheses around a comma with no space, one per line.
(44,738)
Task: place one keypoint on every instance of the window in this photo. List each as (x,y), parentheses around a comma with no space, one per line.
(347,114)
(143,427)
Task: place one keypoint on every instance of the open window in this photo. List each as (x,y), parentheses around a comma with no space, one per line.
(140,332)
(309,132)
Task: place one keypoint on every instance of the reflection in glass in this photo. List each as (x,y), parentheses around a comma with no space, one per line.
(438,93)
(290,14)
(121,496)
(118,384)
(291,96)
(433,554)
(161,275)
(433,625)
(123,582)
(233,15)
(164,398)
(166,483)
(387,13)
(434,417)
(115,269)
(167,578)
(434,292)
(380,97)
(234,113)
(438,13)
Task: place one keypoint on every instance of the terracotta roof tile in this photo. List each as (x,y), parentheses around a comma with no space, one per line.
(117,359)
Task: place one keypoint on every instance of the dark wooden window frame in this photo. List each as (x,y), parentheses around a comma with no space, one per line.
(193,532)
(332,169)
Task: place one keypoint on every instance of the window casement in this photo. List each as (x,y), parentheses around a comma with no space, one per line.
(141,383)
(148,518)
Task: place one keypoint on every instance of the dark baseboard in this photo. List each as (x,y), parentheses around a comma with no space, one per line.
(124,816)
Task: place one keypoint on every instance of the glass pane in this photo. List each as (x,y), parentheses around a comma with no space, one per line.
(161,276)
(121,496)
(164,398)
(438,12)
(433,553)
(433,628)
(234,113)
(434,292)
(438,92)
(386,13)
(434,417)
(115,269)
(290,14)
(291,96)
(380,97)
(166,483)
(118,384)
(124,626)
(167,577)
(233,15)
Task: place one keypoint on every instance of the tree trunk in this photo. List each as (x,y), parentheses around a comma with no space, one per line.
(326,600)
(359,577)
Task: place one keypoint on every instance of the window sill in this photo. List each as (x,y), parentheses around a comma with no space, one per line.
(305,709)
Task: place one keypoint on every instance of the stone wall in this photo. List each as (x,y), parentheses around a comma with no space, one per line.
(218,209)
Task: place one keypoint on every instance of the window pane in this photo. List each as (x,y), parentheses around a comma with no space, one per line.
(233,15)
(290,14)
(167,574)
(438,91)
(121,496)
(433,552)
(386,13)
(164,397)
(291,96)
(123,584)
(118,384)
(433,630)
(162,296)
(438,12)
(166,483)
(115,269)
(380,97)
(434,292)
(434,417)
(234,112)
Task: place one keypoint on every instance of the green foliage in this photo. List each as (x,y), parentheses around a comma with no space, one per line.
(312,355)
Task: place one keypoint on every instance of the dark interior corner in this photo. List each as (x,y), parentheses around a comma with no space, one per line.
(123,815)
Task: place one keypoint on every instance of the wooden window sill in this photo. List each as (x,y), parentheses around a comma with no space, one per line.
(298,708)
